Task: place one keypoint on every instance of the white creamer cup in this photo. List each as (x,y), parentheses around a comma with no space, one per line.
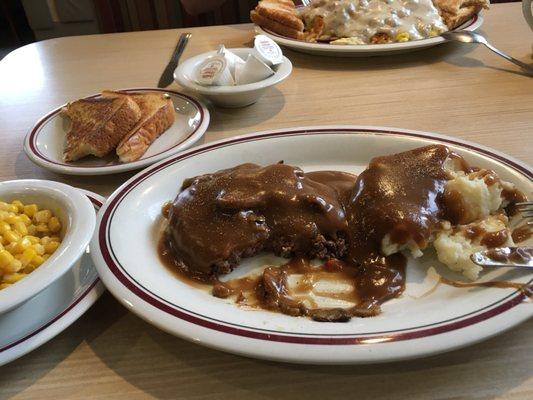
(268,51)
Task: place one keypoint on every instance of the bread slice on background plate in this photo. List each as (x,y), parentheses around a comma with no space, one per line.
(279,16)
(157,116)
(98,125)
(457,12)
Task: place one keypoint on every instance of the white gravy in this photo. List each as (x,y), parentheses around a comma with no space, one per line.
(362,19)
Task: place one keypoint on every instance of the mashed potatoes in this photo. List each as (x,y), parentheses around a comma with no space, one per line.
(454,246)
(478,202)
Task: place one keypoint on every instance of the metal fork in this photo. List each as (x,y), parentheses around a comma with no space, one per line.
(521,257)
(526,209)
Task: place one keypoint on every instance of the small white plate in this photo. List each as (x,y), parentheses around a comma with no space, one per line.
(44,144)
(124,250)
(54,309)
(364,50)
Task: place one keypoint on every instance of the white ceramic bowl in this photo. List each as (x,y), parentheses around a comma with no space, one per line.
(230,96)
(77,217)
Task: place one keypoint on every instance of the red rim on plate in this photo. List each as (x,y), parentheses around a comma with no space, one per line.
(34,133)
(111,262)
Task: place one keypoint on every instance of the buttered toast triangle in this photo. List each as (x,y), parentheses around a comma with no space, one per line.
(98,125)
(157,116)
(279,16)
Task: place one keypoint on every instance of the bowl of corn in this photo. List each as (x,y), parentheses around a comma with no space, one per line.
(45,228)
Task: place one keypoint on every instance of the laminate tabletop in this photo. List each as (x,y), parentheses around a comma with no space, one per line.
(463,91)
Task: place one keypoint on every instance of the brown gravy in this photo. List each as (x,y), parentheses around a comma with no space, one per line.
(219,218)
(522,233)
(524,288)
(519,255)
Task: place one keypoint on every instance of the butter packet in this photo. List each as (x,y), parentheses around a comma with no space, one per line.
(253,70)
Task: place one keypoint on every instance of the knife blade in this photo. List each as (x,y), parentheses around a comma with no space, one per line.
(167,77)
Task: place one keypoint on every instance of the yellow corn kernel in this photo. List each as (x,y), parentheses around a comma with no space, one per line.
(12,219)
(36,261)
(4,285)
(11,247)
(22,245)
(45,240)
(20,228)
(19,205)
(54,225)
(30,209)
(403,37)
(14,266)
(12,236)
(5,258)
(42,229)
(4,206)
(55,239)
(25,219)
(3,215)
(39,248)
(33,239)
(27,256)
(1,247)
(29,269)
(46,256)
(32,230)
(50,247)
(42,216)
(4,227)
(12,278)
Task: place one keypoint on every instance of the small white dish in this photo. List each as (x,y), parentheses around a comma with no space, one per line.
(45,142)
(363,50)
(54,309)
(414,325)
(77,217)
(230,96)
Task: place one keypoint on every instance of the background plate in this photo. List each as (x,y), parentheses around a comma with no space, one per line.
(364,50)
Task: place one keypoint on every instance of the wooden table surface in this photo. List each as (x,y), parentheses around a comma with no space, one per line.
(463,91)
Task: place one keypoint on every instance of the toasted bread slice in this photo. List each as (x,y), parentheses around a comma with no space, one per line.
(279,16)
(157,116)
(457,12)
(98,125)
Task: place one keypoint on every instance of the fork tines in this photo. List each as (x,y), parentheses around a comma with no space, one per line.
(526,210)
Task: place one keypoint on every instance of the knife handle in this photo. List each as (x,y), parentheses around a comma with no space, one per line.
(182,42)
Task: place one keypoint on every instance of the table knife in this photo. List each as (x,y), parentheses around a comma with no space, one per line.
(167,77)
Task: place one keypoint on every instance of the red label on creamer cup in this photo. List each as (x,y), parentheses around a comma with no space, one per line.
(210,70)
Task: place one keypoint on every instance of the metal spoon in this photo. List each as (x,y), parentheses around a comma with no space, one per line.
(473,37)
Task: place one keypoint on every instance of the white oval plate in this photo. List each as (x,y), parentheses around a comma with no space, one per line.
(364,50)
(128,228)
(54,309)
(45,142)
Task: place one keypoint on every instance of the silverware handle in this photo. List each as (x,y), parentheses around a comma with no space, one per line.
(522,65)
(182,42)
